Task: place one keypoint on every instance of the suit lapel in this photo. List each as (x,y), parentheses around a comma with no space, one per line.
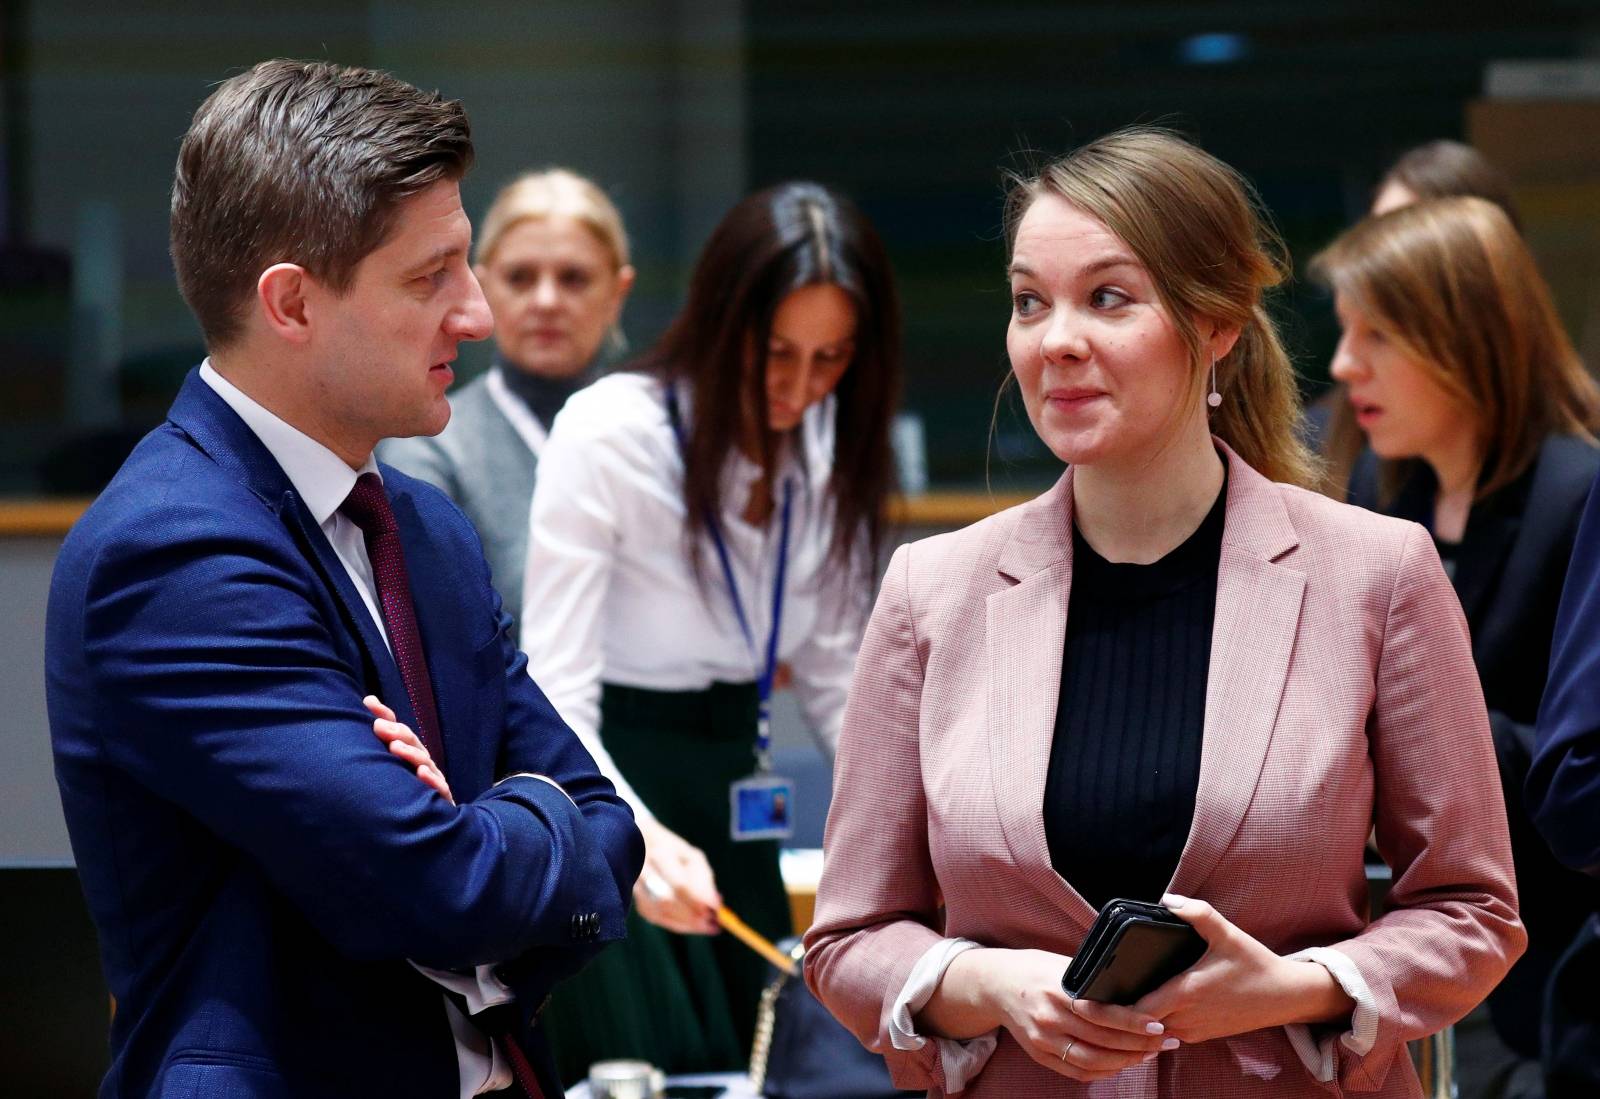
(218,431)
(1026,630)
(446,643)
(1257,619)
(382,675)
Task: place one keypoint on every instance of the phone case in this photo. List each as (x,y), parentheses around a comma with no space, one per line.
(1132,949)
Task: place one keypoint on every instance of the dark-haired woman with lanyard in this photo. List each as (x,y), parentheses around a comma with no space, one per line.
(704,527)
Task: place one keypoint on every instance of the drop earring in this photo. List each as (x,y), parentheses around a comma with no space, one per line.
(1214,399)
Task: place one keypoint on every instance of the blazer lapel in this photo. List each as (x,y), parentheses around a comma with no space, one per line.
(1257,618)
(1492,528)
(1481,559)
(1026,630)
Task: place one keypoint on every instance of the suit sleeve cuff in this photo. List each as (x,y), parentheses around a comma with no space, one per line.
(961,1059)
(541,778)
(1318,1050)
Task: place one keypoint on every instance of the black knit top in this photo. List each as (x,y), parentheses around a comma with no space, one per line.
(1125,763)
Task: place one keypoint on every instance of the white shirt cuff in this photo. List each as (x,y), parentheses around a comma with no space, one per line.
(480,988)
(961,1059)
(481,1063)
(1320,1054)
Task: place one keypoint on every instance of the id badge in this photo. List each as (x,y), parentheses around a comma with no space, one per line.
(761,807)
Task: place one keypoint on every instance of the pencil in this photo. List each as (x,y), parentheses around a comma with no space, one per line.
(756,941)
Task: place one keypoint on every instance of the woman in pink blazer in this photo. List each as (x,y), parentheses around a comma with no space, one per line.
(1251,679)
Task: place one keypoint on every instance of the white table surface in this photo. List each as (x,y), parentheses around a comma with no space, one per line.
(736,1085)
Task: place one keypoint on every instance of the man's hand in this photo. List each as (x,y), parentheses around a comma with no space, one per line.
(407,745)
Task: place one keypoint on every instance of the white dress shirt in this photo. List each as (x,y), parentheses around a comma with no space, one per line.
(609,596)
(323,481)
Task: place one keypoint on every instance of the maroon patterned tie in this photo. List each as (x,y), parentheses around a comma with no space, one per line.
(367,507)
(522,1069)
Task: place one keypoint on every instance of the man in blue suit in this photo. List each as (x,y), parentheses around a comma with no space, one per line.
(335,841)
(1563,797)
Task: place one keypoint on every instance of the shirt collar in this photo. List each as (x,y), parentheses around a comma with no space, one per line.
(320,476)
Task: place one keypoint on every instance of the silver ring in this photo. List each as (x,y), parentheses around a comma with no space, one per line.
(1070,1044)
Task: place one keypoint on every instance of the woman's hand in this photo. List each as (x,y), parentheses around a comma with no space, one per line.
(407,745)
(676,890)
(1239,985)
(1021,991)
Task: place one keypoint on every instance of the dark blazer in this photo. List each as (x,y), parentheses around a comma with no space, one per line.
(1510,567)
(259,867)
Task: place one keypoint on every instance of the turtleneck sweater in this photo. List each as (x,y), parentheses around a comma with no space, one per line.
(543,396)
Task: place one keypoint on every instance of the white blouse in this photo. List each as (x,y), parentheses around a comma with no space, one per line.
(609,597)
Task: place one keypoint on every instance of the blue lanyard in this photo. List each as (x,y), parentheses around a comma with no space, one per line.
(769,670)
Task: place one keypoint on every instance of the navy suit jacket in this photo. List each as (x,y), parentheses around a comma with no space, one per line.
(1564,782)
(1563,795)
(260,868)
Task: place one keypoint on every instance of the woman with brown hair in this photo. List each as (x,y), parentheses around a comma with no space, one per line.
(1434,169)
(705,524)
(1480,421)
(1176,675)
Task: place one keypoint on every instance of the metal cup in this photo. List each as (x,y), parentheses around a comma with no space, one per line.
(624,1080)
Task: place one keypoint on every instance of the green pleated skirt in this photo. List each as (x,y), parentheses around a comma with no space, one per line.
(685,1003)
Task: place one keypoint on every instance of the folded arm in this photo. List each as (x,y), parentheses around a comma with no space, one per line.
(219,689)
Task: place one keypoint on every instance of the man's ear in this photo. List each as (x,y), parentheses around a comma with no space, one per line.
(281,292)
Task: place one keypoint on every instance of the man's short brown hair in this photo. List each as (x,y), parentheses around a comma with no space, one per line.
(300,162)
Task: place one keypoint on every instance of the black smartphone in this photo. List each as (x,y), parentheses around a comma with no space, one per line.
(1132,949)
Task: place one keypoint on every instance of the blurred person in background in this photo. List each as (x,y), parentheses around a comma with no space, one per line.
(553,262)
(1175,675)
(735,477)
(1479,420)
(1444,169)
(1437,169)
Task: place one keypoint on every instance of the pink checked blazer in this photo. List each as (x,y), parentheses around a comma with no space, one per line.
(1341,696)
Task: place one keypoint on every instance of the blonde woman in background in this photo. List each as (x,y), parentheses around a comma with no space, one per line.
(552,256)
(1176,675)
(1480,420)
